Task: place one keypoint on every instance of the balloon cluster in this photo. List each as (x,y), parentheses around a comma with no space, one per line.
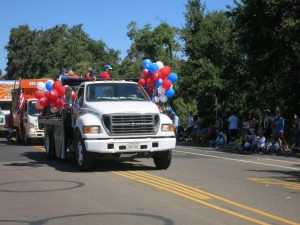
(158,80)
(51,94)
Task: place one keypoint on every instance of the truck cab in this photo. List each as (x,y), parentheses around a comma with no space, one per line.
(24,111)
(30,121)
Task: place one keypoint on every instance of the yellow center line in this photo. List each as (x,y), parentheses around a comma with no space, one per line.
(157,178)
(39,147)
(285,183)
(167,186)
(141,180)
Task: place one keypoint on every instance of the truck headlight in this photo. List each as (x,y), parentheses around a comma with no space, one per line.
(167,127)
(91,129)
(32,129)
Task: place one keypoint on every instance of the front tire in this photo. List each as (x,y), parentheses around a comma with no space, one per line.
(162,160)
(84,159)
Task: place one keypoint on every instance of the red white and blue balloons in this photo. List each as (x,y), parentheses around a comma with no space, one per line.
(51,94)
(158,80)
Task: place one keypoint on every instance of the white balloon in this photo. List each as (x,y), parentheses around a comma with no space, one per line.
(163,98)
(156,99)
(161,90)
(40,86)
(160,64)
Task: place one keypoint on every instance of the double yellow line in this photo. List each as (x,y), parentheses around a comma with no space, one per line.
(288,183)
(198,195)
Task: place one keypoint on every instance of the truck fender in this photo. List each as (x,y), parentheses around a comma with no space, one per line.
(164,119)
(86,120)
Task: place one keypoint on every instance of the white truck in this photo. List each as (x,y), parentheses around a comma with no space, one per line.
(5,103)
(109,119)
(24,111)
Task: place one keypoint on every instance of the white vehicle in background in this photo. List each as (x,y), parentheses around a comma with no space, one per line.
(5,103)
(25,114)
(110,119)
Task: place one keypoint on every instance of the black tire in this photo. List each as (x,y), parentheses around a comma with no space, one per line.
(49,144)
(84,159)
(18,136)
(27,140)
(162,160)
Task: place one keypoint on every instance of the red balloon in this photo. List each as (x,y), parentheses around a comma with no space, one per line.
(142,81)
(53,95)
(166,84)
(165,70)
(56,85)
(61,91)
(44,101)
(47,94)
(59,103)
(150,82)
(74,95)
(149,91)
(38,94)
(156,75)
(145,73)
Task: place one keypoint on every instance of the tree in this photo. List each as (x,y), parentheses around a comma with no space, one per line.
(158,44)
(269,36)
(214,64)
(42,53)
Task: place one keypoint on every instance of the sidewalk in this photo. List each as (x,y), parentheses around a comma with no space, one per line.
(236,148)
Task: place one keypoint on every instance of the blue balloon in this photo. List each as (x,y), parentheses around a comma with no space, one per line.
(158,82)
(170,92)
(147,64)
(153,67)
(173,77)
(49,84)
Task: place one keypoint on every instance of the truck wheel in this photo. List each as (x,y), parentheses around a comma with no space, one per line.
(84,159)
(162,160)
(49,145)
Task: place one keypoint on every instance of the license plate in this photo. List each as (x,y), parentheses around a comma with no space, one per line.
(133,146)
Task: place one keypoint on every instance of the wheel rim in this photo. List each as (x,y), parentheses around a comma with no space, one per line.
(79,153)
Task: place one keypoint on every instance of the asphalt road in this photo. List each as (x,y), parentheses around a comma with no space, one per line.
(202,186)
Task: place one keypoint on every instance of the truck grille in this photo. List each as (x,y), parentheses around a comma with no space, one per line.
(131,124)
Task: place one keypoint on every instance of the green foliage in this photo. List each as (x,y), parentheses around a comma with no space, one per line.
(43,53)
(214,65)
(181,107)
(269,35)
(158,44)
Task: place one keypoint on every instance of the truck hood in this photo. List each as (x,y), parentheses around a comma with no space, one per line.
(122,107)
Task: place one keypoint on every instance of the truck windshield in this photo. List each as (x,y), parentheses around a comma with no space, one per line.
(32,110)
(5,105)
(115,92)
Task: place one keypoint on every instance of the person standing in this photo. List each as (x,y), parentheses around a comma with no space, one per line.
(279,123)
(232,127)
(297,130)
(190,124)
(175,123)
(106,73)
(267,124)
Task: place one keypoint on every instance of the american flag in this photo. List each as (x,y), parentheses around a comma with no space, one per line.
(21,101)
